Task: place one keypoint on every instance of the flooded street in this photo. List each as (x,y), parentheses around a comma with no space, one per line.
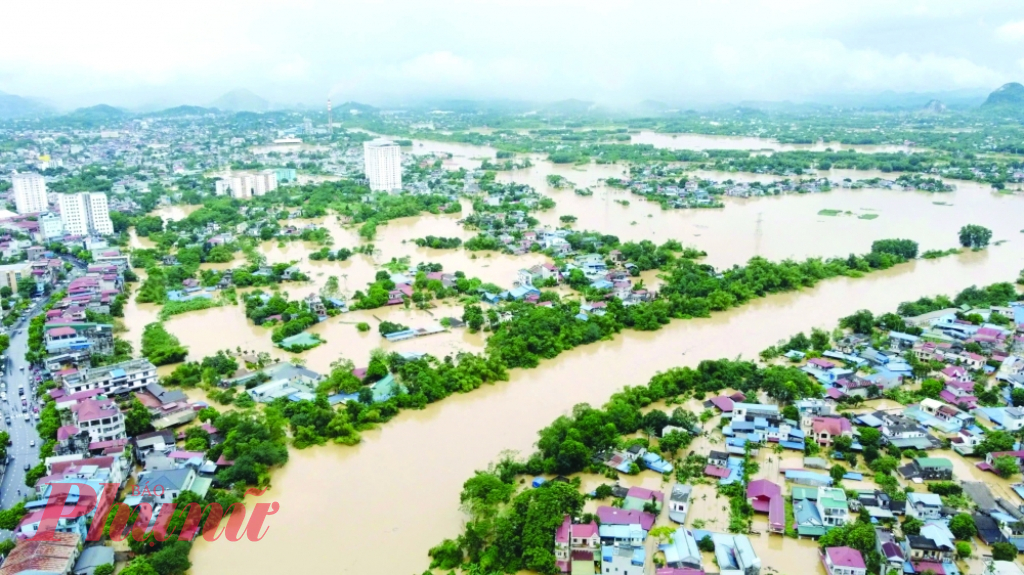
(399,489)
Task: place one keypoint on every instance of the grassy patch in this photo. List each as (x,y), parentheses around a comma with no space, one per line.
(943,204)
(935,254)
(173,308)
(830,212)
(867,216)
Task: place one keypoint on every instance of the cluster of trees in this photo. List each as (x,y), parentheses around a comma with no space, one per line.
(438,243)
(481,242)
(509,532)
(906,249)
(209,371)
(690,290)
(325,253)
(995,294)
(975,236)
(160,346)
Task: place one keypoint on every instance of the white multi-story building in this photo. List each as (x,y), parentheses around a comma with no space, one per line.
(29,193)
(382,162)
(86,213)
(245,185)
(118,378)
(100,418)
(50,226)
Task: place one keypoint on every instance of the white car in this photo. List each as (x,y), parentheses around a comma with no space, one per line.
(32,443)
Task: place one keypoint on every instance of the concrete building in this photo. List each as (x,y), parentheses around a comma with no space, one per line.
(86,214)
(101,418)
(10,274)
(245,185)
(117,378)
(50,226)
(382,163)
(29,191)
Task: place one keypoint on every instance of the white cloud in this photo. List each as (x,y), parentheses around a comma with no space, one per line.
(677,50)
(1011,31)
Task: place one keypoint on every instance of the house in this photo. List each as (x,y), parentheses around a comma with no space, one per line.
(879,505)
(929,469)
(924,505)
(766,497)
(91,558)
(39,556)
(832,507)
(623,560)
(889,549)
(934,544)
(843,561)
(679,502)
(735,555)
(639,498)
(613,516)
(571,539)
(101,419)
(988,529)
(682,552)
(165,486)
(826,429)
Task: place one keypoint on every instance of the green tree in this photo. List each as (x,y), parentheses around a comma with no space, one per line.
(861,322)
(1006,466)
(962,526)
(975,236)
(912,526)
(820,339)
(837,472)
(1017,396)
(139,566)
(1004,552)
(931,388)
(963,549)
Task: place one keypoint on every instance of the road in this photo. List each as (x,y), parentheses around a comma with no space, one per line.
(22,432)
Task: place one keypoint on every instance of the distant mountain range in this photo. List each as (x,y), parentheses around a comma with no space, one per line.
(1007,98)
(13,107)
(241,100)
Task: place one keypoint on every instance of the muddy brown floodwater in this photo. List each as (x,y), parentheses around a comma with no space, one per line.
(378,507)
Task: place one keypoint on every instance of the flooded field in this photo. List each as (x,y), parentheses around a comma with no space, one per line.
(403,481)
(709,142)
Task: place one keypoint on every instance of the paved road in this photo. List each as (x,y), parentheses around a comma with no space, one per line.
(22,432)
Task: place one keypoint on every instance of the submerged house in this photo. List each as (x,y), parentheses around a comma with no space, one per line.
(679,502)
(766,497)
(843,561)
(735,555)
(682,551)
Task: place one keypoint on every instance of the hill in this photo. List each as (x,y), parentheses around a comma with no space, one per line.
(98,114)
(1006,96)
(241,100)
(180,111)
(14,107)
(935,107)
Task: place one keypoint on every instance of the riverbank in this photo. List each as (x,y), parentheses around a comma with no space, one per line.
(321,490)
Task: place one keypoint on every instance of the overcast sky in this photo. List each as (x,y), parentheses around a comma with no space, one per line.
(679,51)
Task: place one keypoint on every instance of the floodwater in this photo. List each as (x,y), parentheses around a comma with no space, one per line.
(711,142)
(399,489)
(787,226)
